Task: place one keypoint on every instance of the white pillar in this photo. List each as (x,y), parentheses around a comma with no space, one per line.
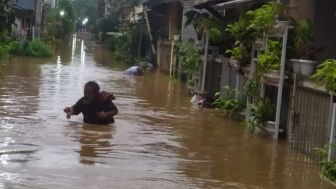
(280,85)
(205,61)
(331,153)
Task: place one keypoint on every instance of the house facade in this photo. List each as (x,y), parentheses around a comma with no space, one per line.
(28,21)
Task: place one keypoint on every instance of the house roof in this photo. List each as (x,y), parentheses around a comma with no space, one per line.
(27,5)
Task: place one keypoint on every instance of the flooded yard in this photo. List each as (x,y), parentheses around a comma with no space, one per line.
(159,139)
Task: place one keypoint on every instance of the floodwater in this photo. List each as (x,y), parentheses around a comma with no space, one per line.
(158,141)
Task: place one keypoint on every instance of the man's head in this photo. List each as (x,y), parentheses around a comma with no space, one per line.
(91,91)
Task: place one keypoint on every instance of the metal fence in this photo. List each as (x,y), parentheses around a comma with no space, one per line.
(309,120)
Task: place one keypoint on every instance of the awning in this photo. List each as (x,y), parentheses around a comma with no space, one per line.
(154,3)
(236,3)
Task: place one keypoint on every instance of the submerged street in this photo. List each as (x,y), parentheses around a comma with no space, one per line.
(159,139)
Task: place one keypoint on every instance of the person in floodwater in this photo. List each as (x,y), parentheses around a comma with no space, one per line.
(134,70)
(97,107)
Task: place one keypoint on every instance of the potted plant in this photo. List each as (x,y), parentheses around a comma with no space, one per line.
(263,18)
(239,55)
(326,74)
(231,107)
(263,112)
(305,61)
(243,41)
(269,62)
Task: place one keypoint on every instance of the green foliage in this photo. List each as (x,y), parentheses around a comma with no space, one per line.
(189,57)
(241,31)
(243,38)
(109,24)
(251,87)
(229,105)
(262,111)
(303,41)
(328,167)
(238,52)
(64,25)
(270,59)
(4,44)
(7,16)
(264,17)
(35,48)
(215,35)
(326,74)
(123,49)
(126,46)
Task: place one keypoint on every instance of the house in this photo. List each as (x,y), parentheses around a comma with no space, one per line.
(164,20)
(28,21)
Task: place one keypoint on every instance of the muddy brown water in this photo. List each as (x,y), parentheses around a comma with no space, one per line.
(159,139)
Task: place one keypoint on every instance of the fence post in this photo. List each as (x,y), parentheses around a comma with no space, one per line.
(331,154)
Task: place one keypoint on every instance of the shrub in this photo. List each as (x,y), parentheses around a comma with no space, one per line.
(231,106)
(264,17)
(35,48)
(328,167)
(326,74)
(4,44)
(189,58)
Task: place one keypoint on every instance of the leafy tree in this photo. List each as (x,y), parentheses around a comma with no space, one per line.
(6,15)
(65,23)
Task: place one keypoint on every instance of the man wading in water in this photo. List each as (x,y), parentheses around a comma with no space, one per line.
(97,107)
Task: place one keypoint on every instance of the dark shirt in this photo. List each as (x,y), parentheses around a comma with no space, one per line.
(90,111)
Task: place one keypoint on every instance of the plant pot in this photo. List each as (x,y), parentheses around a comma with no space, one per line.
(278,27)
(176,37)
(296,66)
(281,23)
(272,76)
(308,67)
(233,63)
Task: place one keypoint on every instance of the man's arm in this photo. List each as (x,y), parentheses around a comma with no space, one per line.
(74,110)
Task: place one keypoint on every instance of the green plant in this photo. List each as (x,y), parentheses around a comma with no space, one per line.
(189,58)
(304,41)
(231,106)
(35,48)
(270,59)
(251,87)
(4,44)
(263,17)
(7,15)
(241,31)
(64,25)
(262,111)
(238,52)
(326,74)
(328,168)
